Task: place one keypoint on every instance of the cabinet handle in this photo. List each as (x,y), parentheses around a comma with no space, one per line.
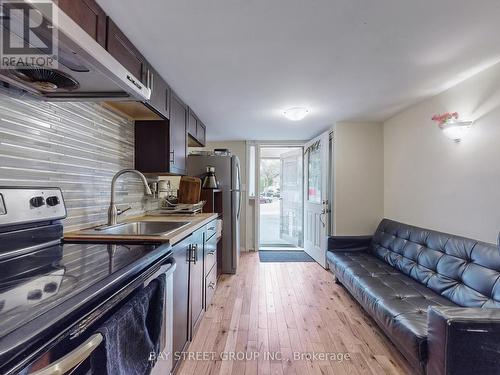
(152,81)
(172,160)
(192,253)
(211,285)
(211,252)
(211,228)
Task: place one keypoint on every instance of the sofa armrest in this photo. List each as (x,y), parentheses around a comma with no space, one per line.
(349,243)
(463,341)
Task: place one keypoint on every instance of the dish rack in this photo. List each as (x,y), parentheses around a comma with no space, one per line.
(167,208)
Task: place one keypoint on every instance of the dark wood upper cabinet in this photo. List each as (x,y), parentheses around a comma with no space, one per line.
(160,93)
(192,121)
(88,15)
(152,146)
(125,52)
(201,133)
(161,145)
(196,130)
(178,134)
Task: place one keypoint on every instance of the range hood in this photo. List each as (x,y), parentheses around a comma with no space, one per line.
(85,71)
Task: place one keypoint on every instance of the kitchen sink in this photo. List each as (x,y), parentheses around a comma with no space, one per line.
(140,228)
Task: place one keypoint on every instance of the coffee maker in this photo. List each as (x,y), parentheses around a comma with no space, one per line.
(210,181)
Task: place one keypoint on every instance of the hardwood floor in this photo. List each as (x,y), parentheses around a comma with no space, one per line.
(288,308)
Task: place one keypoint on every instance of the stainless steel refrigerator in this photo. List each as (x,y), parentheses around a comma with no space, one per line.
(228,173)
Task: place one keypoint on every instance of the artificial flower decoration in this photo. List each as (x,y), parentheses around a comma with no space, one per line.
(445,118)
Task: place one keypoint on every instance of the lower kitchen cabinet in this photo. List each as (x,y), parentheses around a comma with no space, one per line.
(210,254)
(194,284)
(181,298)
(210,262)
(196,281)
(210,286)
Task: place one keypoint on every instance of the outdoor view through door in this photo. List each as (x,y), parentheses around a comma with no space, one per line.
(281,197)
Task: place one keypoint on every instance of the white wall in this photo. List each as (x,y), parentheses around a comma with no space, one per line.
(237,148)
(358,178)
(433,182)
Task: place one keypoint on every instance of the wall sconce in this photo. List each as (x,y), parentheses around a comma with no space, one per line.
(456,130)
(452,127)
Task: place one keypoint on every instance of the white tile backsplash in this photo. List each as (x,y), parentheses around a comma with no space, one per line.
(75,146)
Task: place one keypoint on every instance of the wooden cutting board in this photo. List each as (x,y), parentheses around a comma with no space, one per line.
(189,190)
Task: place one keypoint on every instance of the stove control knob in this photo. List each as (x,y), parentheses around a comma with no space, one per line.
(53,201)
(37,202)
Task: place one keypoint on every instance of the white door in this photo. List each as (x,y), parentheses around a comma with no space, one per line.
(316,192)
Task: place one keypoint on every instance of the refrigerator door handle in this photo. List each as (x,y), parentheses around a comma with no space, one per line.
(239,206)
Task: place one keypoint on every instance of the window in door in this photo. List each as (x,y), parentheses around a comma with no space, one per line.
(314,174)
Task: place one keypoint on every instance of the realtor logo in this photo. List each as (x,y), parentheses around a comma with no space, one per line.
(29,36)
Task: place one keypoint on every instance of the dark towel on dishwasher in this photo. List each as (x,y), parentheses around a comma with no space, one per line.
(132,334)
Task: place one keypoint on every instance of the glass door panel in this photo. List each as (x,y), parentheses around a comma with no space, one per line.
(280,197)
(291,214)
(314,175)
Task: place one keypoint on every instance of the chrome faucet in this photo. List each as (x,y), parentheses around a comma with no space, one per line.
(113,211)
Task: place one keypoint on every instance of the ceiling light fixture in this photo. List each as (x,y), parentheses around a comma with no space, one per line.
(296,113)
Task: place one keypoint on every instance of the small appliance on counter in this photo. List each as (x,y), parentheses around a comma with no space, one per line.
(210,181)
(54,294)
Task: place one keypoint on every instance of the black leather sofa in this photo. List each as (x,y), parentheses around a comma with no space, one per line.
(435,295)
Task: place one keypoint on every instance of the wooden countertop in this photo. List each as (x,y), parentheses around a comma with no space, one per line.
(174,237)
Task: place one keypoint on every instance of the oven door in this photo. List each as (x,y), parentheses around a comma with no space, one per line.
(164,361)
(77,360)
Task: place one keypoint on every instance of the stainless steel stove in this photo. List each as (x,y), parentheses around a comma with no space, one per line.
(53,293)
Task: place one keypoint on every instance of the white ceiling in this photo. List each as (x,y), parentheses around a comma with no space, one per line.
(240,63)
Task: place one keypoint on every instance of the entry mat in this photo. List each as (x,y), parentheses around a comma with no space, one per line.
(284,256)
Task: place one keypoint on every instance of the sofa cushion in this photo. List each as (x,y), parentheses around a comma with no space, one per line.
(462,270)
(397,302)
